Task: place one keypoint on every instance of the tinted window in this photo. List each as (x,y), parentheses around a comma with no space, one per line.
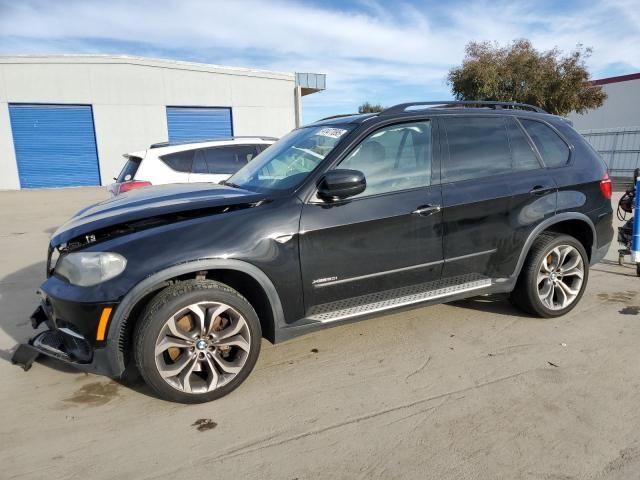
(262,147)
(394,158)
(478,147)
(524,156)
(199,162)
(179,161)
(554,151)
(223,160)
(129,170)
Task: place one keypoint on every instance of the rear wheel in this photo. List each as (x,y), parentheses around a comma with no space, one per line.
(553,277)
(197,341)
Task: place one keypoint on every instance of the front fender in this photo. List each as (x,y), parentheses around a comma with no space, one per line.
(114,350)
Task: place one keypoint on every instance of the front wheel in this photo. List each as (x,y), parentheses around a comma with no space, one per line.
(553,277)
(197,341)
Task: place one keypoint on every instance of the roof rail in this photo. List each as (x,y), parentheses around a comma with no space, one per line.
(202,140)
(464,103)
(337,116)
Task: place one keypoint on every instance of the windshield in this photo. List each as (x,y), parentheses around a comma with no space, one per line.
(286,163)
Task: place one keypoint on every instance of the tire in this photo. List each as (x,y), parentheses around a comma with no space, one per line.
(531,296)
(189,348)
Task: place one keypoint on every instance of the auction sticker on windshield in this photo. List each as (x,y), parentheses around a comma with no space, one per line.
(331,132)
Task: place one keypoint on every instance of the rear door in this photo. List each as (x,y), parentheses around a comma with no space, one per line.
(534,191)
(215,164)
(476,170)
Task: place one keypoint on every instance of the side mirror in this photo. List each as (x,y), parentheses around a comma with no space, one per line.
(341,183)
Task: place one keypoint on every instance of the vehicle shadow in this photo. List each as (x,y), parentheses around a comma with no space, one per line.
(614,268)
(18,300)
(497,304)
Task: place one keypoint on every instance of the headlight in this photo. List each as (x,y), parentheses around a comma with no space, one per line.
(90,268)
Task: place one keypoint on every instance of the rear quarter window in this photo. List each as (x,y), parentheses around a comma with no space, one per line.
(179,161)
(554,151)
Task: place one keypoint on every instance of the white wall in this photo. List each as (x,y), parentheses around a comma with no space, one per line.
(620,109)
(129,97)
(8,167)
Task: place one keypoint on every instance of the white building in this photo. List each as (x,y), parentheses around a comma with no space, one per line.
(614,128)
(66,120)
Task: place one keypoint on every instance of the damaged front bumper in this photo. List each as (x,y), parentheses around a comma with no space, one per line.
(75,334)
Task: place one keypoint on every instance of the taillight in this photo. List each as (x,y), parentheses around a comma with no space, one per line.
(133,184)
(605,186)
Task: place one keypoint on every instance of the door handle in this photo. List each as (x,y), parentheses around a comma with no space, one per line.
(426,210)
(540,190)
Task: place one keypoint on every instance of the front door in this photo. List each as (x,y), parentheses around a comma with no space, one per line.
(385,238)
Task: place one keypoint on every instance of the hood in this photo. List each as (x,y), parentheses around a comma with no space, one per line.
(162,204)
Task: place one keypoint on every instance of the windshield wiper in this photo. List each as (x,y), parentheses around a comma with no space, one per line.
(229,184)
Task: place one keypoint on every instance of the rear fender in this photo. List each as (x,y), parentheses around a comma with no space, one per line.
(544,225)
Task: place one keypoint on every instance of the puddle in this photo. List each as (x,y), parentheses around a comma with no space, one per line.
(94,394)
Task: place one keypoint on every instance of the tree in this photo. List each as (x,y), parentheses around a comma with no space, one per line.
(367,107)
(519,73)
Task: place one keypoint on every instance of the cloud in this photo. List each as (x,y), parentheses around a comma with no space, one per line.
(371,50)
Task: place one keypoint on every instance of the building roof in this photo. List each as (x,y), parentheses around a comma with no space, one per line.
(618,79)
(143,61)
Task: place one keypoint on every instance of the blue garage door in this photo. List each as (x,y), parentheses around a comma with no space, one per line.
(55,145)
(186,124)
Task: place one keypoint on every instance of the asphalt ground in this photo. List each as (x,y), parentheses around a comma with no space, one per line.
(468,390)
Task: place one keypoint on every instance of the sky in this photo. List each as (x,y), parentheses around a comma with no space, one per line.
(383,52)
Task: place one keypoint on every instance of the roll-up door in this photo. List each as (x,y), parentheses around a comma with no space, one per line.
(198,123)
(55,145)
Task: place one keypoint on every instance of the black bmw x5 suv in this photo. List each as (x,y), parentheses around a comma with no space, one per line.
(341,219)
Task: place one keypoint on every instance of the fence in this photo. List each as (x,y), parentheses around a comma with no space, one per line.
(618,147)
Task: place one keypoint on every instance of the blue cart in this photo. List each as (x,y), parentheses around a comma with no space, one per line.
(629,233)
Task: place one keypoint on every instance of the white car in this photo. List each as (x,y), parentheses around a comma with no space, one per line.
(201,161)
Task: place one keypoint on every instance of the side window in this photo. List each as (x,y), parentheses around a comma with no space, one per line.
(524,156)
(552,148)
(247,153)
(200,162)
(179,161)
(223,160)
(394,158)
(478,147)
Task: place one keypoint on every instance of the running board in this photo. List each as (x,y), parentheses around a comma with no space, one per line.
(398,297)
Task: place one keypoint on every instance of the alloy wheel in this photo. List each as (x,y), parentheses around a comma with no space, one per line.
(560,277)
(202,347)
